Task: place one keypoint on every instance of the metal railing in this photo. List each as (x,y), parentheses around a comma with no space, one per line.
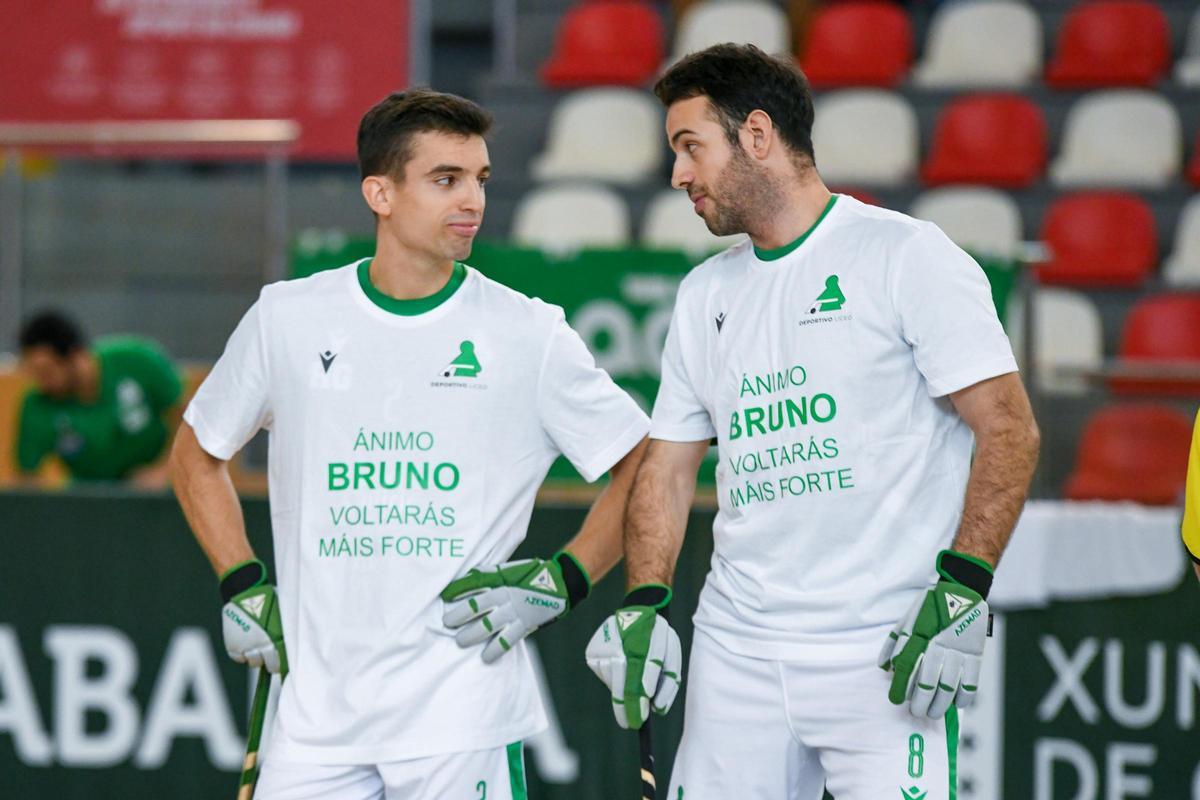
(268,137)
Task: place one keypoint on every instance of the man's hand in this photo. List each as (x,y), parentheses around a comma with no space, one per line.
(250,620)
(504,604)
(936,652)
(636,653)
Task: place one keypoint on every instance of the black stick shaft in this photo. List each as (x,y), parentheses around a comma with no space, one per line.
(649,787)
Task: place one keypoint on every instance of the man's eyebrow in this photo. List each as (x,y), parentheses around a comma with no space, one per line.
(679,133)
(456,170)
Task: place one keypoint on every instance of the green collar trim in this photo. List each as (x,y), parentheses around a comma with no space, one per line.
(780,252)
(409,308)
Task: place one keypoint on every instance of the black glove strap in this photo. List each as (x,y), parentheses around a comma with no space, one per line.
(241,577)
(575,577)
(654,595)
(970,572)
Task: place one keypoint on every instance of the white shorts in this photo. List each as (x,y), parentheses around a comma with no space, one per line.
(777,730)
(495,774)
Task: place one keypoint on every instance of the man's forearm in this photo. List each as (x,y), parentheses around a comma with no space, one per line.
(996,491)
(598,545)
(657,518)
(209,502)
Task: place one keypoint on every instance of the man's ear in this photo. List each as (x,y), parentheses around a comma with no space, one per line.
(377,191)
(758,134)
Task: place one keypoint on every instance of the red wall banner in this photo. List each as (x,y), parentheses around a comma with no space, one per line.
(319,62)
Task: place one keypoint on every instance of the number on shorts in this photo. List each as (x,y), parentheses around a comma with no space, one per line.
(481,787)
(916,755)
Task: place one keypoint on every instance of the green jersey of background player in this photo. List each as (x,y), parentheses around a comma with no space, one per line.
(414,407)
(105,409)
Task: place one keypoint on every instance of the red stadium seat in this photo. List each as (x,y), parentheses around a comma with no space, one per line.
(606,42)
(1161,331)
(1111,43)
(1099,239)
(858,43)
(1133,452)
(1193,170)
(996,139)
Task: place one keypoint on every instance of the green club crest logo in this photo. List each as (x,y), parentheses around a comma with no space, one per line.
(465,365)
(912,793)
(831,299)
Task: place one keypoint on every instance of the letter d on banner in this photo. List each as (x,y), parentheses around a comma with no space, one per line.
(1049,751)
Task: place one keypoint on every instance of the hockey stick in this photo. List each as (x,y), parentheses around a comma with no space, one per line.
(649,787)
(258,714)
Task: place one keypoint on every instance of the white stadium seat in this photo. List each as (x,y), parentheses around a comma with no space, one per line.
(982,43)
(976,218)
(1182,267)
(865,136)
(1067,336)
(568,217)
(672,223)
(614,135)
(1187,69)
(1122,137)
(743,21)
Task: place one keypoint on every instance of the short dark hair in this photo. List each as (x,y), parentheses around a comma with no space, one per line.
(738,79)
(386,131)
(54,330)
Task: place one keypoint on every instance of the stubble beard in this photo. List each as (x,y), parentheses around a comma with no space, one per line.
(747,192)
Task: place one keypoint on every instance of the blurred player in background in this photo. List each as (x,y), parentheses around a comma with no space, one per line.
(414,408)
(1191,501)
(106,409)
(842,358)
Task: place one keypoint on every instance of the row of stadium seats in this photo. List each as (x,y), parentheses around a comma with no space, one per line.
(569,216)
(1093,239)
(1069,343)
(871,137)
(981,43)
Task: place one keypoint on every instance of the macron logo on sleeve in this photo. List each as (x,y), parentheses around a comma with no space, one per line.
(327,360)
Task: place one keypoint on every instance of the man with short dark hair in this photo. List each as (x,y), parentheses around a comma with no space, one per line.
(414,408)
(105,410)
(845,359)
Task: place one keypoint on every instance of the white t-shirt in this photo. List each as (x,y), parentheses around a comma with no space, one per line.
(404,450)
(824,374)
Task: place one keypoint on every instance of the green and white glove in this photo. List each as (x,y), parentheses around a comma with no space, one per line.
(936,652)
(636,653)
(250,620)
(504,604)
